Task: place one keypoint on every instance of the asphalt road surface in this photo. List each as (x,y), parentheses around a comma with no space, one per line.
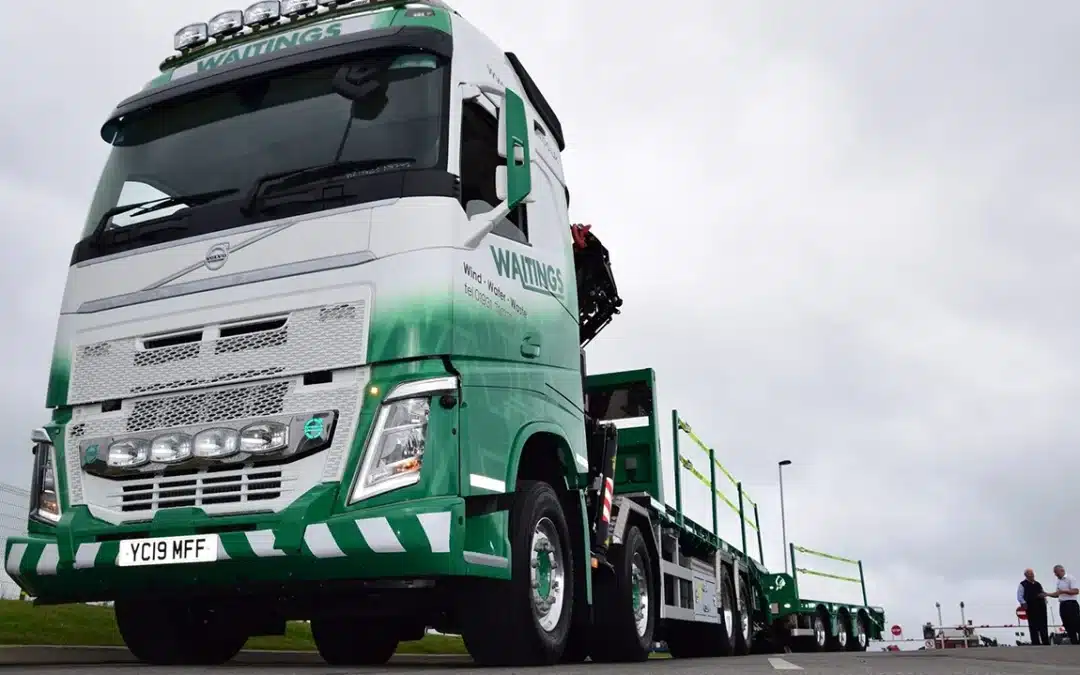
(984,661)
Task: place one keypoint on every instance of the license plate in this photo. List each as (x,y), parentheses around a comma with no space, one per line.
(168,550)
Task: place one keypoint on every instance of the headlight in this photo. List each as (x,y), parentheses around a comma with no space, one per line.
(44,502)
(280,439)
(170,448)
(264,437)
(214,443)
(395,450)
(129,453)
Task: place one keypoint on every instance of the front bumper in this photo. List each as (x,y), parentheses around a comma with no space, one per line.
(417,539)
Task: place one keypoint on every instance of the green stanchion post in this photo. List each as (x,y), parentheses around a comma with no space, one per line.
(678,464)
(742,520)
(712,489)
(760,547)
(862,582)
(794,572)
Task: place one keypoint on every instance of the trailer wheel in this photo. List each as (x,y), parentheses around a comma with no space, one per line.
(624,602)
(744,636)
(845,637)
(342,642)
(525,621)
(176,634)
(862,634)
(822,635)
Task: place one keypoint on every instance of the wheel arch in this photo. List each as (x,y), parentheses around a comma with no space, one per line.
(542,452)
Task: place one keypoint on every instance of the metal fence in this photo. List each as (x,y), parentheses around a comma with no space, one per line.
(13,504)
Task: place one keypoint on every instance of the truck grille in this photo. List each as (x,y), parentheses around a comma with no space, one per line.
(327,337)
(203,489)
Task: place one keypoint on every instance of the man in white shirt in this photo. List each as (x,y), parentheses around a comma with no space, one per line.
(1068,594)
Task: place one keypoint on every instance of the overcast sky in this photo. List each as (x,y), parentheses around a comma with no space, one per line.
(842,230)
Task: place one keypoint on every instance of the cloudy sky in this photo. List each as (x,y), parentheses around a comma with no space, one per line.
(850,244)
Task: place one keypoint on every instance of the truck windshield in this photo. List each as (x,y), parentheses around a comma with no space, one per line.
(220,144)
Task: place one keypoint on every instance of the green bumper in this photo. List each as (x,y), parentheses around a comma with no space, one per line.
(422,538)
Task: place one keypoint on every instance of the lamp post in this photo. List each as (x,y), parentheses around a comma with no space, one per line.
(941,624)
(963,624)
(783,518)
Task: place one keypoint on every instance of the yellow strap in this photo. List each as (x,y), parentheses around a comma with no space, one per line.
(826,555)
(686,428)
(827,576)
(689,466)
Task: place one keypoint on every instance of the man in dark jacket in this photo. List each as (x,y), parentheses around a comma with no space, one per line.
(1031,597)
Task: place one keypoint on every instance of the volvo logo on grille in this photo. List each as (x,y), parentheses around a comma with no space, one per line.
(217,255)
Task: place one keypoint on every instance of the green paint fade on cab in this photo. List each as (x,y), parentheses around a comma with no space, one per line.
(59,379)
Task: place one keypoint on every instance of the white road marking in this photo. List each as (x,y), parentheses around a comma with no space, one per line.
(781,664)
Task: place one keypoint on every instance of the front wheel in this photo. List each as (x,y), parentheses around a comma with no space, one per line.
(344,642)
(531,624)
(174,633)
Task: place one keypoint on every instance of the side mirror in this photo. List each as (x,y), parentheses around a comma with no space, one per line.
(513,180)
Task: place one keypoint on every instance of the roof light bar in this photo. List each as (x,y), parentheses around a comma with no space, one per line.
(291,8)
(262,13)
(227,23)
(192,35)
(265,13)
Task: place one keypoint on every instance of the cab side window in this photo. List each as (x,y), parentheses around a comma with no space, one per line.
(479,159)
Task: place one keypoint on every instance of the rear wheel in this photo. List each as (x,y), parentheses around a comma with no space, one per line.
(345,642)
(822,634)
(625,611)
(862,634)
(730,622)
(845,636)
(744,635)
(175,633)
(532,624)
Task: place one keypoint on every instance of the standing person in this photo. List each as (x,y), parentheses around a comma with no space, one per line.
(1068,604)
(1032,597)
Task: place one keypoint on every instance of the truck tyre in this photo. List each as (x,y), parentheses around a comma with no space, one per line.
(624,603)
(706,640)
(862,634)
(525,621)
(728,630)
(845,635)
(345,642)
(822,634)
(744,637)
(175,634)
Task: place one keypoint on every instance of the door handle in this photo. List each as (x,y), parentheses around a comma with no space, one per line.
(530,346)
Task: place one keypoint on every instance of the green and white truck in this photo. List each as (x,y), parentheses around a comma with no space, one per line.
(321,356)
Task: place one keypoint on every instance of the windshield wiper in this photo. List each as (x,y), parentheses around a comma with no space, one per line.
(151,205)
(313,174)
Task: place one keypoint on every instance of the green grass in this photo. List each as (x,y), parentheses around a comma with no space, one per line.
(86,625)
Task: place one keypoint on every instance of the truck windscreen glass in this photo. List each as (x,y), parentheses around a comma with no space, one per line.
(227,140)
